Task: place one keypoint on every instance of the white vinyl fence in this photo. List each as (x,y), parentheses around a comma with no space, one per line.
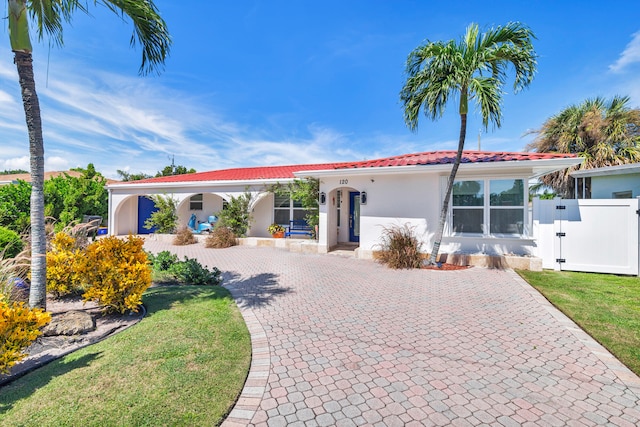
(591,235)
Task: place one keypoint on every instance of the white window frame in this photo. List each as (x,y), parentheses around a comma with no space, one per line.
(196,202)
(627,194)
(292,209)
(486,217)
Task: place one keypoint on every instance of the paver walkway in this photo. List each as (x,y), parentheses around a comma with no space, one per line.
(347,342)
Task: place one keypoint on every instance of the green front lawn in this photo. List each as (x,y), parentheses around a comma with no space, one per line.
(183,364)
(606,306)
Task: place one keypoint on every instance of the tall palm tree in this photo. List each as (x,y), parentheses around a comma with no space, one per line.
(473,68)
(605,133)
(48,16)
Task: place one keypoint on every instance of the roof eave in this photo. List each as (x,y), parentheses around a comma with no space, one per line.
(535,168)
(610,170)
(190,184)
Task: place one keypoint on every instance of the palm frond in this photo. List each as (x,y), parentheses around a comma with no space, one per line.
(488,95)
(435,70)
(603,132)
(150,30)
(49,15)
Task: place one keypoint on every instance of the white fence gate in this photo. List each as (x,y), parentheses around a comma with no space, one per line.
(591,235)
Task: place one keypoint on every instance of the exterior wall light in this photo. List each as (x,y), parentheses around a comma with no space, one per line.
(323,198)
(363,198)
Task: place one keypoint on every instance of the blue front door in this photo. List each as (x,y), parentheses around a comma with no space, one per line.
(354,216)
(146,207)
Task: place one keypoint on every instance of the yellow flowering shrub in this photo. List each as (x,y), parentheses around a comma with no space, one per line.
(19,327)
(116,272)
(63,275)
(63,242)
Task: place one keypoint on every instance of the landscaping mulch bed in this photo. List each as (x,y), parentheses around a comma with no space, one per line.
(48,348)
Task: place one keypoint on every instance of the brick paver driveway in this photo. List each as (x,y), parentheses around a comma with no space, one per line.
(339,341)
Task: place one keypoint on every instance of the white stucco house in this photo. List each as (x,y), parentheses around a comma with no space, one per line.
(488,210)
(609,182)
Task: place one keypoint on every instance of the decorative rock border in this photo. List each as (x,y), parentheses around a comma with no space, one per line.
(49,348)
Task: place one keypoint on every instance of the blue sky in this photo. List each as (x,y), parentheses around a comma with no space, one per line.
(253,83)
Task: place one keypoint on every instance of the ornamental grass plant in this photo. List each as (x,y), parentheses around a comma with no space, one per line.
(221,237)
(184,236)
(400,247)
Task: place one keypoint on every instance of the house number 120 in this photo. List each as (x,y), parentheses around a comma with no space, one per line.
(344,181)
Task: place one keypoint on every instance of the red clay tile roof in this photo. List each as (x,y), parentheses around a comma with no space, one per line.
(449,156)
(242,174)
(287,172)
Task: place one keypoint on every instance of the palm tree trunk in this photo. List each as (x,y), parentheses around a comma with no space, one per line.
(38,292)
(437,239)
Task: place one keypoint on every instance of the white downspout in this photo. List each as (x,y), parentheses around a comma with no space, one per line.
(111,222)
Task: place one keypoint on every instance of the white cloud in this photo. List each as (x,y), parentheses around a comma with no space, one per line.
(15,163)
(134,124)
(55,163)
(630,55)
(5,99)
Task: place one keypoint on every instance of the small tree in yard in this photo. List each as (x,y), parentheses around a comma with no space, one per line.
(474,69)
(237,215)
(165,218)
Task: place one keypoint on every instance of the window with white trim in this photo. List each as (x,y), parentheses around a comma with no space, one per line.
(498,203)
(286,209)
(622,194)
(195,202)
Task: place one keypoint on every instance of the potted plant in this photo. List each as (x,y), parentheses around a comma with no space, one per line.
(276,230)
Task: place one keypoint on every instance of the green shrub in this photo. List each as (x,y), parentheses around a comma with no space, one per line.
(10,243)
(15,200)
(191,272)
(221,237)
(163,260)
(184,237)
(188,272)
(400,248)
(237,215)
(68,198)
(165,218)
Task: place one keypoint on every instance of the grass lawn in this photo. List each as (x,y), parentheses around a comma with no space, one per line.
(183,364)
(606,306)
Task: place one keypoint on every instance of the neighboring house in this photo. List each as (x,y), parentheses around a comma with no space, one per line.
(14,178)
(359,199)
(610,182)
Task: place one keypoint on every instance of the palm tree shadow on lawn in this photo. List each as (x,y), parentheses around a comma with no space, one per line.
(27,385)
(256,291)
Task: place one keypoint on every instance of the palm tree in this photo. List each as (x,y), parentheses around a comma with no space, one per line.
(474,68)
(48,15)
(605,133)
